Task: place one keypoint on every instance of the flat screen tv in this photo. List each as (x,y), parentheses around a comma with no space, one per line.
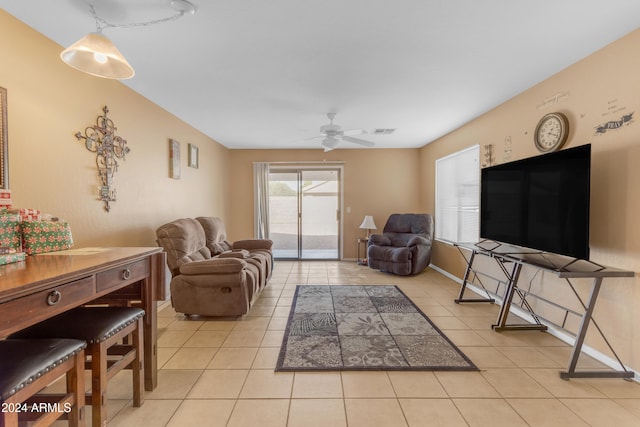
(540,203)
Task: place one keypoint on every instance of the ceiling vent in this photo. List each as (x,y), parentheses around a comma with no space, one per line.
(381,131)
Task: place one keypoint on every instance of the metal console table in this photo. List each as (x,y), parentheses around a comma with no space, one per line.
(564,268)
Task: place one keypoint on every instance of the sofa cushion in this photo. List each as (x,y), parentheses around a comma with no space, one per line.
(216,234)
(184,241)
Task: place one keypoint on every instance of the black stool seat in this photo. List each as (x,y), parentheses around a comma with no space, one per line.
(24,361)
(92,324)
(114,337)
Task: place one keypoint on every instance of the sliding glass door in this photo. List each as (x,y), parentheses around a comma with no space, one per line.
(304,213)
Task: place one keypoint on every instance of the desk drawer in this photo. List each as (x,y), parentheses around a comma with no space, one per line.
(123,275)
(45,304)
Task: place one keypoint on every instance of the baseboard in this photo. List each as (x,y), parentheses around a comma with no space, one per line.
(551,328)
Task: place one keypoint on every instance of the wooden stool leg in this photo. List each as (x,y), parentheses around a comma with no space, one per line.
(75,385)
(9,419)
(137,366)
(99,385)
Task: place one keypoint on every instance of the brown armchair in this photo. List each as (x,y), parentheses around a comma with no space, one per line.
(404,247)
(201,282)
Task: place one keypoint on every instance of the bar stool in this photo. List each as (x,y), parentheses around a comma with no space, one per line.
(27,367)
(114,342)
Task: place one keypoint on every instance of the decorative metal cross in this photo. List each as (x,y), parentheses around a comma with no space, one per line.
(102,140)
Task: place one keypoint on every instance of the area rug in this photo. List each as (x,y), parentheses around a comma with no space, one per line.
(356,327)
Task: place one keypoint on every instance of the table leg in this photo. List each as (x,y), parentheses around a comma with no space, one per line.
(465,281)
(577,345)
(150,289)
(512,288)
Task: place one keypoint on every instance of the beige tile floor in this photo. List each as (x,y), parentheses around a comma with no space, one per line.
(221,372)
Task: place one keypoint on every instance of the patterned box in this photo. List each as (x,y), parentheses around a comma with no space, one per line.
(46,236)
(11,258)
(28,211)
(10,230)
(27,214)
(5,198)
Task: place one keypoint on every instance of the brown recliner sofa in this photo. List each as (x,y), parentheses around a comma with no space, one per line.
(202,283)
(259,249)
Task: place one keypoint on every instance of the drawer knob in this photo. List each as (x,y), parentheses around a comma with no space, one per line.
(126,274)
(54,297)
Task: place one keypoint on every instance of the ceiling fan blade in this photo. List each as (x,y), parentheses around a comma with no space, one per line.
(358,141)
(352,132)
(315,138)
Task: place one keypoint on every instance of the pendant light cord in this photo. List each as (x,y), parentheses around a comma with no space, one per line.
(102,23)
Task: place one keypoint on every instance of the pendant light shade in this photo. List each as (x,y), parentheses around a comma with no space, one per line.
(95,54)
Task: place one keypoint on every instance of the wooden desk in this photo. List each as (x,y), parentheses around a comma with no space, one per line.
(45,285)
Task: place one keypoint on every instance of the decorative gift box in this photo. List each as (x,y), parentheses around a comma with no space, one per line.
(28,211)
(5,198)
(46,236)
(10,258)
(27,214)
(10,230)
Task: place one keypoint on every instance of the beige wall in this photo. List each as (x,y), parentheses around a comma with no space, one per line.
(376,182)
(48,102)
(596,90)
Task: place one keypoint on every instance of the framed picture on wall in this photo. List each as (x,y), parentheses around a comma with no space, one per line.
(4,144)
(174,159)
(193,156)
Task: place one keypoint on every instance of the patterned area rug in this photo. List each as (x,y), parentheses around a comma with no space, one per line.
(354,327)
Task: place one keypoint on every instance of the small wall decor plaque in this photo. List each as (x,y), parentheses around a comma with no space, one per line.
(193,156)
(614,124)
(101,139)
(174,159)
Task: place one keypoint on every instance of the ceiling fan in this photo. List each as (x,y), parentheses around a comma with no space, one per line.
(333,134)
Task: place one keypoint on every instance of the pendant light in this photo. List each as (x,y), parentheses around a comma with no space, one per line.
(95,54)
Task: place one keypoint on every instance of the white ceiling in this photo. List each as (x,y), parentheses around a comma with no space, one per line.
(264,73)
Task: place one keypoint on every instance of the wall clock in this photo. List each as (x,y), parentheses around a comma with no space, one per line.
(551,132)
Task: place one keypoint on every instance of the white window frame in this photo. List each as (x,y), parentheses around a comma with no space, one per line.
(457,216)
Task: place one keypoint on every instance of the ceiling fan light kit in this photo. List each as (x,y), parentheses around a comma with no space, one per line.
(95,54)
(333,134)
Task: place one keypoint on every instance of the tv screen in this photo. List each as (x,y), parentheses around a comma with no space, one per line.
(540,203)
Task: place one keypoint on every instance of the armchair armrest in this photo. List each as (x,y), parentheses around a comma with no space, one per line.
(251,244)
(213,266)
(379,240)
(418,240)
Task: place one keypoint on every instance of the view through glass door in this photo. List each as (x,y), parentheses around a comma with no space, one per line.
(304,213)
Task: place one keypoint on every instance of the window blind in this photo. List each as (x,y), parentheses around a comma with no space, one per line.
(458,196)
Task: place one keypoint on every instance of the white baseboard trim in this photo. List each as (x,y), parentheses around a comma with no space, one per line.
(552,329)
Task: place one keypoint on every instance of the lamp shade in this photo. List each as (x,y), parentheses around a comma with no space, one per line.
(368,223)
(95,54)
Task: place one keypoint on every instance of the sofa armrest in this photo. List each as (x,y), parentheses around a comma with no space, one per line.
(379,240)
(213,266)
(236,253)
(251,244)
